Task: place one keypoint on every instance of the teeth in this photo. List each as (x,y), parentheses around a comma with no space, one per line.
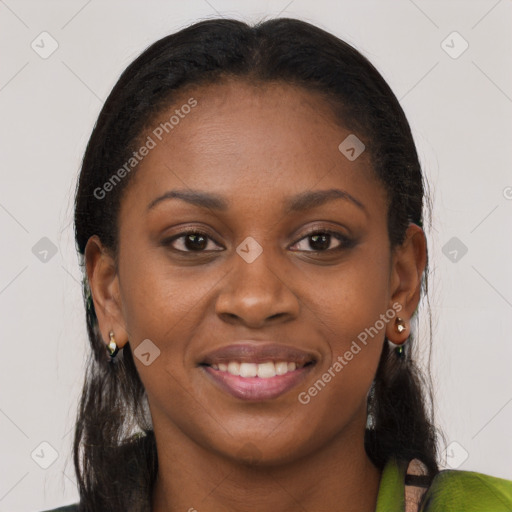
(234,368)
(263,370)
(248,370)
(266,370)
(281,368)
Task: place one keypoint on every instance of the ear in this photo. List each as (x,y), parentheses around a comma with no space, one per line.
(104,285)
(407,266)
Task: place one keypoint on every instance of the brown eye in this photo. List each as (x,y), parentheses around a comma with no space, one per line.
(190,241)
(321,241)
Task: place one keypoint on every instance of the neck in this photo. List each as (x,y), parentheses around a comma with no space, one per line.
(338,477)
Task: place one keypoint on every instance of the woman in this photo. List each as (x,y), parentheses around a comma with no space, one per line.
(249,213)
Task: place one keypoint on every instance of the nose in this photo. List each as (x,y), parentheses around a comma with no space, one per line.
(257,293)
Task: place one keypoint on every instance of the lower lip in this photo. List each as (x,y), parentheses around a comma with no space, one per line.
(256,388)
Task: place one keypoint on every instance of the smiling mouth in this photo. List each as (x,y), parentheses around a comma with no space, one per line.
(257,381)
(256,370)
(265,370)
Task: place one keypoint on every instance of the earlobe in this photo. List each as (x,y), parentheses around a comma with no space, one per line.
(408,264)
(104,286)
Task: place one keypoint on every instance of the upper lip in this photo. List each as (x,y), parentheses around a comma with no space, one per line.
(260,352)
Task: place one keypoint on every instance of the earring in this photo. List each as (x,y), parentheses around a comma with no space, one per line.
(112,347)
(400,327)
(400,324)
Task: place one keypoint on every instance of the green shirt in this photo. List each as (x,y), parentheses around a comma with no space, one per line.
(450,491)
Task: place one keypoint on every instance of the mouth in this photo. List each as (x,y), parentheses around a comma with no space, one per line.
(257,372)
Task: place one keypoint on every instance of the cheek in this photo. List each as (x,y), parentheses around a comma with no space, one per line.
(348,310)
(349,299)
(159,297)
(355,334)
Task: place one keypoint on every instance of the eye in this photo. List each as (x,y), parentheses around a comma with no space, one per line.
(191,241)
(321,240)
(196,240)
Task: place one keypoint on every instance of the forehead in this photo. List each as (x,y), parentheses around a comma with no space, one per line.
(241,139)
(240,116)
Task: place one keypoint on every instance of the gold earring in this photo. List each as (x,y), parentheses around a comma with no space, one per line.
(400,325)
(112,347)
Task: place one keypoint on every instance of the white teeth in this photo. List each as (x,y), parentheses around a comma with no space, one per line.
(281,368)
(263,370)
(234,368)
(248,370)
(266,370)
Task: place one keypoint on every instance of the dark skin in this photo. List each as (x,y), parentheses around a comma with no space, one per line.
(256,147)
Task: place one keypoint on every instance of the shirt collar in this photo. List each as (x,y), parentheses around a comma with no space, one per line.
(391,495)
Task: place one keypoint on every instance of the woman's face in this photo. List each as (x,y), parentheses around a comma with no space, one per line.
(255,286)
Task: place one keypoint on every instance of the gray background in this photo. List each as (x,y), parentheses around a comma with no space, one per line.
(459,110)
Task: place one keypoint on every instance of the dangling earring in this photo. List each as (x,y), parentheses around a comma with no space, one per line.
(112,347)
(400,327)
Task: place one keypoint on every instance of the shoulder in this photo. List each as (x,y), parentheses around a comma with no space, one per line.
(468,491)
(67,508)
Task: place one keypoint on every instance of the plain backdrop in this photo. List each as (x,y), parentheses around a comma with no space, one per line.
(458,101)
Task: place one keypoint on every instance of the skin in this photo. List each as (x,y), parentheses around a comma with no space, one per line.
(256,146)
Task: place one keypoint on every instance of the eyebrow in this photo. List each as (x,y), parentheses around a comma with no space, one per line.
(304,201)
(314,198)
(195,197)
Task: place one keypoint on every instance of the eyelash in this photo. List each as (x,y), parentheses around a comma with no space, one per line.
(345,242)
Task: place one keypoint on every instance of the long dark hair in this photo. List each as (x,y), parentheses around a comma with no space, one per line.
(114,452)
